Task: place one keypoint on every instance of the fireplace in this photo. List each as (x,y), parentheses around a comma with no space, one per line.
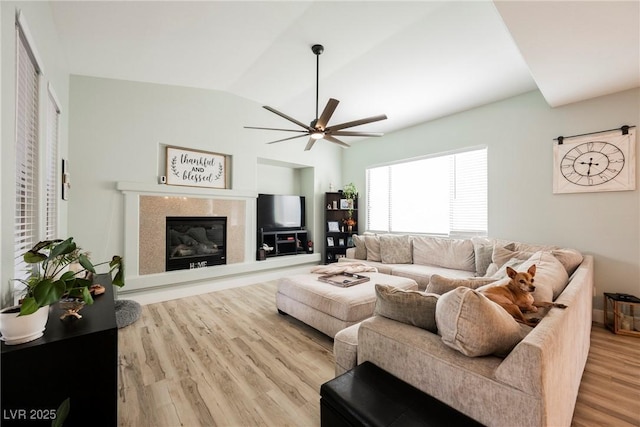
(195,242)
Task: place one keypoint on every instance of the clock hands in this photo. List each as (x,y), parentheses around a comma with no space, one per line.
(590,164)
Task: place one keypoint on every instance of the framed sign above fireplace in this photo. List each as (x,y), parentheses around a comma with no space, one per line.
(195,168)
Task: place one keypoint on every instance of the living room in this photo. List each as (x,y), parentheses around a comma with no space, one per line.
(114,133)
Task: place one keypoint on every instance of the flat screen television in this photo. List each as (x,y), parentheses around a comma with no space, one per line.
(280,212)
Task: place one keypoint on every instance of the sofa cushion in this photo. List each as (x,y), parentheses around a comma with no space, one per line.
(469,322)
(407,306)
(395,249)
(569,258)
(551,277)
(372,244)
(503,253)
(450,253)
(482,250)
(361,248)
(441,285)
(422,273)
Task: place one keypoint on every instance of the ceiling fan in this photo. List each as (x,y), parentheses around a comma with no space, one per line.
(318,128)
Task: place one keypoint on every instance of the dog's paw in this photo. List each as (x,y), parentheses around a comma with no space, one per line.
(557,305)
(534,320)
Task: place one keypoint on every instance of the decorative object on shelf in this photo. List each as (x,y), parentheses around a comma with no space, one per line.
(330,241)
(310,246)
(331,189)
(195,168)
(333,226)
(341,242)
(346,204)
(71,307)
(334,204)
(349,222)
(601,161)
(318,128)
(350,243)
(349,191)
(60,270)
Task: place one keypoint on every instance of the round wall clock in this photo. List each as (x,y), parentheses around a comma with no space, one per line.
(603,162)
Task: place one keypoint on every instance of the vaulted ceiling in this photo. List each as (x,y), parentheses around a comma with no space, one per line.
(414,61)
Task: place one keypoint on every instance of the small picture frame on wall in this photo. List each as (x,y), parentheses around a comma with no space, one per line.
(330,241)
(333,226)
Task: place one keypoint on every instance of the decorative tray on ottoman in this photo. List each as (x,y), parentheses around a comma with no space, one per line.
(344,279)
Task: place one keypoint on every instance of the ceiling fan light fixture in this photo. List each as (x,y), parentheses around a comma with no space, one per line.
(318,128)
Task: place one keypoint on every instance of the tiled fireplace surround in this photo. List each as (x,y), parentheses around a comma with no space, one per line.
(146,207)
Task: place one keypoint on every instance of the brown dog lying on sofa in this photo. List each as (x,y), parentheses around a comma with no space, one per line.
(516,295)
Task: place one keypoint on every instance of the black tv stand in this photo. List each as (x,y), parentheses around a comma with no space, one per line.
(284,242)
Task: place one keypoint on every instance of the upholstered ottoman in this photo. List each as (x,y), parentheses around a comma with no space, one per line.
(330,308)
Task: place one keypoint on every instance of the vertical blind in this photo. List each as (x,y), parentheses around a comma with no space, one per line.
(443,195)
(51,182)
(26,215)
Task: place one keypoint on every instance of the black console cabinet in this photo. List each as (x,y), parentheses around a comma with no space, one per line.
(287,242)
(76,358)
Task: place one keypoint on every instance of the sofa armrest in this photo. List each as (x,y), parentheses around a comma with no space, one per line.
(550,360)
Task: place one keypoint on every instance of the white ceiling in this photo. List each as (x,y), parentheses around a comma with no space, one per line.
(414,61)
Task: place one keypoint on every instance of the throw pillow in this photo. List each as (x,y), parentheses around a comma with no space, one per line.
(395,249)
(569,258)
(441,285)
(449,253)
(372,244)
(551,277)
(361,248)
(411,307)
(482,249)
(470,323)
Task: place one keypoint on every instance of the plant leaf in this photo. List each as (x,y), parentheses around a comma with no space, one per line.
(118,280)
(86,263)
(62,413)
(29,306)
(31,257)
(86,296)
(47,291)
(63,248)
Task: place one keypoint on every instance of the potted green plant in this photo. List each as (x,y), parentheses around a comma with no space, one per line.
(52,279)
(349,191)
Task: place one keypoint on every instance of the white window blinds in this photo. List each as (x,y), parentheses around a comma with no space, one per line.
(51,181)
(26,215)
(443,195)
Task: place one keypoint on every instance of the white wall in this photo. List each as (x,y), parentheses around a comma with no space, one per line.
(45,41)
(118,131)
(519,133)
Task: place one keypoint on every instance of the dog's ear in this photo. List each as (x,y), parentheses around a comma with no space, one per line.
(511,272)
(532,270)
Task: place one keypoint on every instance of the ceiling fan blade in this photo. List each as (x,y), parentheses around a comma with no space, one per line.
(327,113)
(354,133)
(286,139)
(291,119)
(335,140)
(357,122)
(284,130)
(310,144)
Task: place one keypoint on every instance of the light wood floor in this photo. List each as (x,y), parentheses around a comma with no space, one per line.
(228,359)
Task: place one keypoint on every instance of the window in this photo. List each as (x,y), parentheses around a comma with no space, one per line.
(51,180)
(26,215)
(443,195)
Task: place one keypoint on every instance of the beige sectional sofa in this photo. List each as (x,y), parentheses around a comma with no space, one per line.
(534,383)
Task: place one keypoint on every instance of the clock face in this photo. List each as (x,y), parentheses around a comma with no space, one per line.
(588,163)
(592,163)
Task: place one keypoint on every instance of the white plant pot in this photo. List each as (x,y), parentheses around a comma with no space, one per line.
(21,329)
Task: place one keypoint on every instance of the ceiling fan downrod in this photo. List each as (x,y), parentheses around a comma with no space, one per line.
(317,49)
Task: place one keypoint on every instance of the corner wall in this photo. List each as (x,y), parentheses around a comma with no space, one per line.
(118,132)
(519,133)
